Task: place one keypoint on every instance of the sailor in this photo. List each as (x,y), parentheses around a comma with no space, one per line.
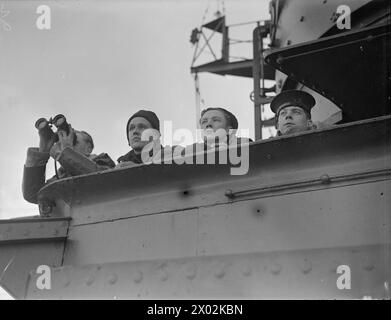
(142,129)
(219,128)
(293,111)
(73,151)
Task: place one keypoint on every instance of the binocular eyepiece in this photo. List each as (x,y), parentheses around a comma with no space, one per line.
(59,121)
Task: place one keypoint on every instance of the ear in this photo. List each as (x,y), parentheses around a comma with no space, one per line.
(276,125)
(232,132)
(310,124)
(89,149)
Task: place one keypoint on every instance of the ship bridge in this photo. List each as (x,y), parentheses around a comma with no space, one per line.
(311,204)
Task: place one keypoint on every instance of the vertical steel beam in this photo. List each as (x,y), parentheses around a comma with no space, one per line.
(225,47)
(257,65)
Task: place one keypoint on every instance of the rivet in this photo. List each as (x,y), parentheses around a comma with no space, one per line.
(191,272)
(67,281)
(56,232)
(370,38)
(229,193)
(40,226)
(276,268)
(26,232)
(246,271)
(368,264)
(268,156)
(306,267)
(163,275)
(220,272)
(280,60)
(301,18)
(90,280)
(138,276)
(112,279)
(161,265)
(325,179)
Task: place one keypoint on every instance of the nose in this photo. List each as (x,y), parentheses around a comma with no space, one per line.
(209,124)
(136,131)
(288,115)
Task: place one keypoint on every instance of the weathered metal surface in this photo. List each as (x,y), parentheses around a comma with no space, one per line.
(297,205)
(325,179)
(362,54)
(158,236)
(26,244)
(299,21)
(309,274)
(352,215)
(336,151)
(310,202)
(33,229)
(305,20)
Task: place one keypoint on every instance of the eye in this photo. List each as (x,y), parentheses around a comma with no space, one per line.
(131,128)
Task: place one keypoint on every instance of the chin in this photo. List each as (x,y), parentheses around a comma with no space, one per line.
(138,146)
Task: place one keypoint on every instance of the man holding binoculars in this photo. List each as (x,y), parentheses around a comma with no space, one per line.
(71,148)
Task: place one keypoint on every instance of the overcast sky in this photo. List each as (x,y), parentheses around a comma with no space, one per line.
(100,62)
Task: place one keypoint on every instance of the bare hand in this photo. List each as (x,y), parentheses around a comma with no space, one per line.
(64,141)
(45,143)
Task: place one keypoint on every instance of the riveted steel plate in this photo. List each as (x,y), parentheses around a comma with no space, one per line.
(309,274)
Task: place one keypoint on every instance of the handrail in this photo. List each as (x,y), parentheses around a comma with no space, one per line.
(322,180)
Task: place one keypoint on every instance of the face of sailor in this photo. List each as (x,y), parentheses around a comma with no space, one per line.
(136,127)
(292,119)
(214,123)
(214,120)
(82,144)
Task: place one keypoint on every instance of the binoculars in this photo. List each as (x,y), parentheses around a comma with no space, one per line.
(59,121)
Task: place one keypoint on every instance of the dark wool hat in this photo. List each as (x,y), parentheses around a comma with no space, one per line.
(149,115)
(232,119)
(289,98)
